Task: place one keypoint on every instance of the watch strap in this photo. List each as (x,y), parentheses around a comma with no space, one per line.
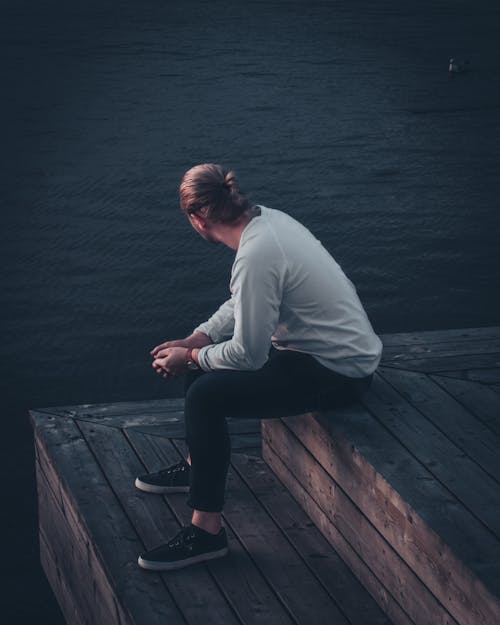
(191,363)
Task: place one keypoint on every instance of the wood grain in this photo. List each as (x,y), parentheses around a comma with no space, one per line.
(393,576)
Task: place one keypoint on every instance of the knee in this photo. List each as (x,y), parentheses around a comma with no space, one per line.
(190,378)
(201,401)
(204,419)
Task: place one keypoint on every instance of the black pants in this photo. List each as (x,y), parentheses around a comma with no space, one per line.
(289,383)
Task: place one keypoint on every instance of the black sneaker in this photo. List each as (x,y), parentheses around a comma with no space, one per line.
(173,479)
(190,545)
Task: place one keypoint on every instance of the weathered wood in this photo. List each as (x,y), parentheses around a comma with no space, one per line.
(447,414)
(438,538)
(58,584)
(85,589)
(328,567)
(177,430)
(480,400)
(243,436)
(385,600)
(276,558)
(245,587)
(243,426)
(438,336)
(444,363)
(238,442)
(167,422)
(155,523)
(402,486)
(463,477)
(486,376)
(117,409)
(164,430)
(391,572)
(172,418)
(435,349)
(99,522)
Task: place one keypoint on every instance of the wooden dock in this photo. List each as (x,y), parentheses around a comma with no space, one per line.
(384,511)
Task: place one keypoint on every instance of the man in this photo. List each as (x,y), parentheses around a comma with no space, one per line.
(293,337)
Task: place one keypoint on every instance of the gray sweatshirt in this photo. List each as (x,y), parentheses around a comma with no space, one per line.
(288,291)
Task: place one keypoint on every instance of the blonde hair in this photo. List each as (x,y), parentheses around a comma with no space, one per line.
(213,191)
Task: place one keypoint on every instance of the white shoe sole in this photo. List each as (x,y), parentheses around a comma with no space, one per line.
(159,490)
(168,566)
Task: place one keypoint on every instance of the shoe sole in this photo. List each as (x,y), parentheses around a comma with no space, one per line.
(159,490)
(151,565)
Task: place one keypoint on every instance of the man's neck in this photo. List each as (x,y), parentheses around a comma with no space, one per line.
(231,235)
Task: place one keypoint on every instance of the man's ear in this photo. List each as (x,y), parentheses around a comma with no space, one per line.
(201,222)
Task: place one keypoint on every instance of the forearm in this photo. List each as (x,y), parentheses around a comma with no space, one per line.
(220,324)
(198,339)
(233,354)
(257,289)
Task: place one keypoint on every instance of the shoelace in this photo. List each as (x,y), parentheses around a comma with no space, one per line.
(180,466)
(182,537)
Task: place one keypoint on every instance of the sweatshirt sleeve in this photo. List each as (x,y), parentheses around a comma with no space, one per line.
(256,287)
(221,324)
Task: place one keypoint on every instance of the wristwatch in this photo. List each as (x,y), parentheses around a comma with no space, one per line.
(191,364)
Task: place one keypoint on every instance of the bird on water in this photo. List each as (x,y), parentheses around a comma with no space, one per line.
(457,67)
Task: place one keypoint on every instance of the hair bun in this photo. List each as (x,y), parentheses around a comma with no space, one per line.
(202,186)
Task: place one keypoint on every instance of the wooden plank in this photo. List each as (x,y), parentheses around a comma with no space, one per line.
(172,429)
(393,576)
(432,365)
(434,349)
(102,526)
(176,429)
(437,537)
(194,589)
(356,564)
(68,608)
(453,420)
(461,476)
(144,419)
(238,441)
(351,597)
(87,594)
(120,408)
(480,400)
(485,376)
(433,336)
(245,441)
(253,451)
(243,426)
(276,558)
(247,590)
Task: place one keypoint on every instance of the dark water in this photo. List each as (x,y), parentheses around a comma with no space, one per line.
(341,113)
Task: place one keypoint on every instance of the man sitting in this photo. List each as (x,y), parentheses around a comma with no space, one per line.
(292,338)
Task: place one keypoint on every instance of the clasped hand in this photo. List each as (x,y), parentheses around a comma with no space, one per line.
(170,361)
(170,357)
